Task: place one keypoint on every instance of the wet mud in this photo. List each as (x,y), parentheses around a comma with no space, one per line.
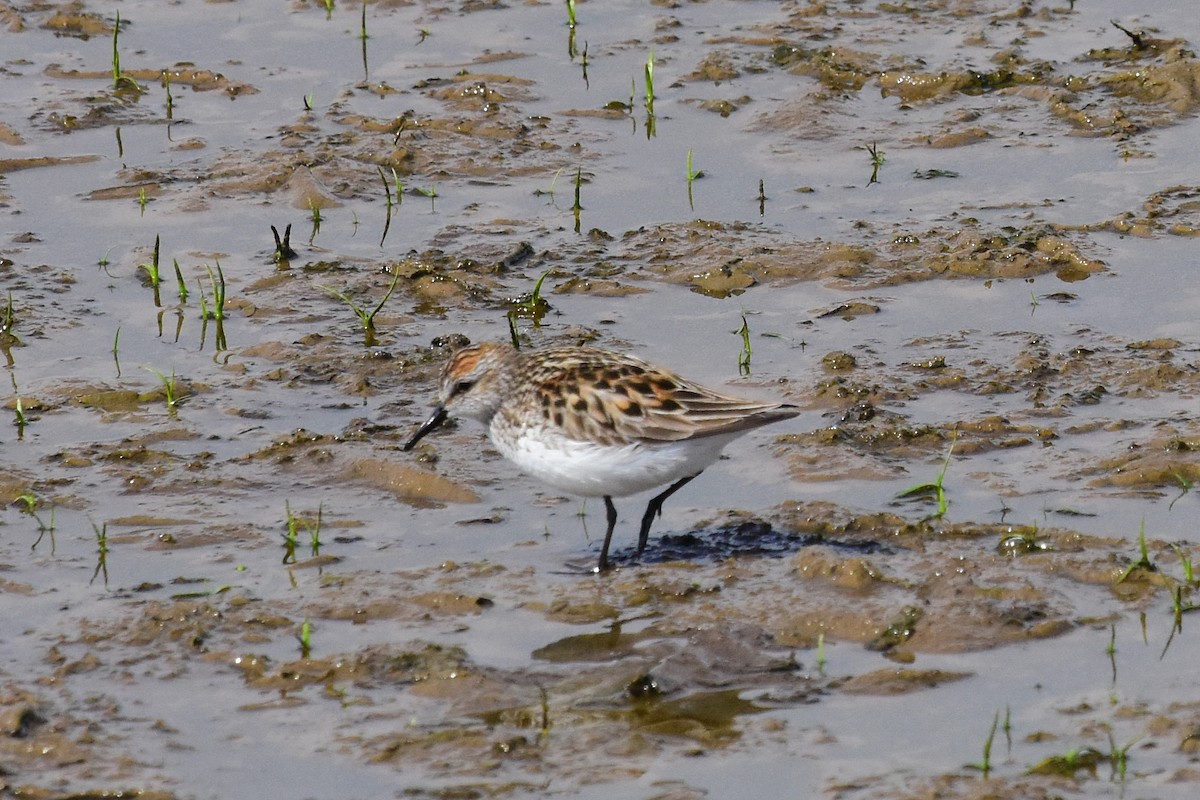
(212,539)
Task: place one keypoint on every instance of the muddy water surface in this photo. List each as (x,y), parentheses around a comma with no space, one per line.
(960,235)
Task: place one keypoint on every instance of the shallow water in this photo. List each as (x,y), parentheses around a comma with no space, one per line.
(1020,274)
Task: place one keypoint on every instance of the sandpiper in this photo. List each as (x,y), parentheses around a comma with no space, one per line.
(594,422)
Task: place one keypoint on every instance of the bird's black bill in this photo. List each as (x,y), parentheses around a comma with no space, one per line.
(437,418)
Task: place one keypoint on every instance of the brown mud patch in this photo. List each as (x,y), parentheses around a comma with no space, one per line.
(694,652)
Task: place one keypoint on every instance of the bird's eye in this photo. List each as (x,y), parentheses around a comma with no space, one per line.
(462,387)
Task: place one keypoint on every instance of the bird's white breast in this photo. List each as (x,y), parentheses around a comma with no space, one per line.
(593,470)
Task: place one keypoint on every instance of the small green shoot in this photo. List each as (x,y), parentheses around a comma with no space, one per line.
(169,388)
(553,183)
(762,199)
(290,534)
(821,652)
(423,34)
(1143,562)
(1119,756)
(877,160)
(650,82)
(316,220)
(32,502)
(308,103)
(1111,651)
(283,246)
(170,97)
(21,421)
(217,312)
(1184,483)
(217,281)
(101,553)
(389,200)
(314,533)
(365,317)
(179,282)
(305,638)
(1033,302)
(744,356)
(153,273)
(8,320)
(985,765)
(936,488)
(692,175)
(1137,37)
(577,206)
(530,306)
(1185,560)
(116,349)
(363,35)
(142,200)
(431,193)
(120,79)
(571,52)
(328,9)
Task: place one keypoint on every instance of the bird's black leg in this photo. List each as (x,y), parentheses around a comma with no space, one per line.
(612,523)
(654,509)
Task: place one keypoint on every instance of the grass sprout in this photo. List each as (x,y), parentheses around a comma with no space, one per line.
(365,317)
(32,504)
(530,306)
(8,320)
(291,535)
(649,72)
(179,282)
(747,351)
(985,764)
(283,245)
(877,160)
(170,388)
(1143,562)
(389,200)
(153,274)
(1185,485)
(936,488)
(1185,560)
(692,175)
(101,553)
(120,79)
(577,206)
(553,183)
(305,638)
